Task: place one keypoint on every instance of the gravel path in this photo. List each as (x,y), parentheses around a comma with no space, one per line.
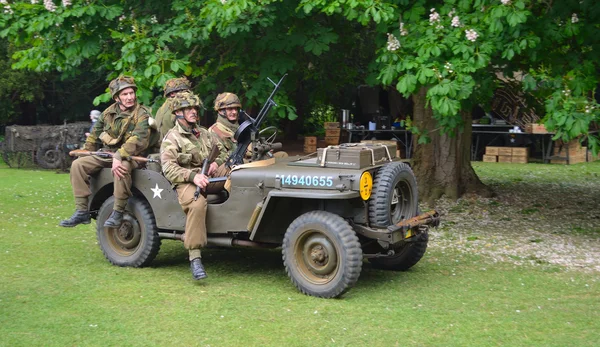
(528,222)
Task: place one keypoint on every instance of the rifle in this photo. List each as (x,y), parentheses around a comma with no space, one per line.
(214,153)
(248,130)
(107,154)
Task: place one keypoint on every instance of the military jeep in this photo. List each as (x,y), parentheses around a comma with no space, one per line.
(326,212)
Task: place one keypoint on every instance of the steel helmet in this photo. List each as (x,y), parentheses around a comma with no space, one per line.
(120,83)
(185,99)
(225,100)
(176,85)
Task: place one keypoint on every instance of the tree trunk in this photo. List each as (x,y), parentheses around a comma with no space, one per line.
(443,166)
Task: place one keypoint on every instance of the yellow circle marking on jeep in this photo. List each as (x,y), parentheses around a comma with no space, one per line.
(366,185)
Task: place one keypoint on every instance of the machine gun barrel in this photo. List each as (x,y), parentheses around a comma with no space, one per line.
(248,130)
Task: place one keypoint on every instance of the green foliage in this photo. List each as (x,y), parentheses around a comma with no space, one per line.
(219,45)
(457,49)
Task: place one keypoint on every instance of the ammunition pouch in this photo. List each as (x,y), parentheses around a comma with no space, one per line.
(109,140)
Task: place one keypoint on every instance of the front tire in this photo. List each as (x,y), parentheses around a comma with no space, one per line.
(321,254)
(395,196)
(136,243)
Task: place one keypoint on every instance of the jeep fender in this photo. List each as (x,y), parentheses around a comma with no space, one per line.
(153,186)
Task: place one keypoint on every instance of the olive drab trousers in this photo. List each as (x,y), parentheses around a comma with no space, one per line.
(84,167)
(195,211)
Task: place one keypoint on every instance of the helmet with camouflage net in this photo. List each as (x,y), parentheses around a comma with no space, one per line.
(185,99)
(177,85)
(120,83)
(225,100)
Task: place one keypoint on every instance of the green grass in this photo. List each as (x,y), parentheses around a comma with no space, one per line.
(56,289)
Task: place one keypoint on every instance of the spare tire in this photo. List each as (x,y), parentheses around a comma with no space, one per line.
(48,156)
(394,196)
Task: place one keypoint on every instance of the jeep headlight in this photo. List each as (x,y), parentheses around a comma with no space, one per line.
(366,185)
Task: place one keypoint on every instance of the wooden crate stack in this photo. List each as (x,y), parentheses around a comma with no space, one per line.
(506,154)
(577,153)
(332,133)
(533,128)
(310,144)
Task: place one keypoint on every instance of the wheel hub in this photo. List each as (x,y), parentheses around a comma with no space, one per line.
(319,255)
(126,238)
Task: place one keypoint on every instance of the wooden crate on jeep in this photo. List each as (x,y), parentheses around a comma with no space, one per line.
(355,155)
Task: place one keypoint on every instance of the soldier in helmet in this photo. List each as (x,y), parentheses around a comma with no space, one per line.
(227,106)
(123,128)
(165,119)
(181,154)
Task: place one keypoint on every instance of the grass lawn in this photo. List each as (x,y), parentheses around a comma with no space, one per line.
(56,288)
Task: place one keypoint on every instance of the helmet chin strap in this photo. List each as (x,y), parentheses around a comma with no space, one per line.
(223,114)
(181,116)
(120,104)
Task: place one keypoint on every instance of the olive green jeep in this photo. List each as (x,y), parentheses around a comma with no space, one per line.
(327,212)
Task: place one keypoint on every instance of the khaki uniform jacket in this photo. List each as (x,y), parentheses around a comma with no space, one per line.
(182,153)
(165,119)
(126,133)
(225,136)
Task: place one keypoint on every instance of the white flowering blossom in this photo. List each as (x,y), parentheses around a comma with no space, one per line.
(153,19)
(574,18)
(434,17)
(7,9)
(49,5)
(455,22)
(451,13)
(122,18)
(34,2)
(567,92)
(403,31)
(223,2)
(589,108)
(505,2)
(448,67)
(471,34)
(66,3)
(393,44)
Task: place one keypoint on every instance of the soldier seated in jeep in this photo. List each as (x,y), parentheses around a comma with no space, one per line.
(123,128)
(182,154)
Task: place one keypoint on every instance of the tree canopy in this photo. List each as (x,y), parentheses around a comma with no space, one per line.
(453,50)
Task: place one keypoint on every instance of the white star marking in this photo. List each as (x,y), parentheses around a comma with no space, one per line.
(156,191)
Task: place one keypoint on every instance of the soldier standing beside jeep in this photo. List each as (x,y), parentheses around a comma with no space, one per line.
(123,128)
(165,118)
(182,152)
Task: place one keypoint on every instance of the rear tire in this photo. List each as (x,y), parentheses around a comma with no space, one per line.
(136,243)
(406,256)
(395,196)
(321,254)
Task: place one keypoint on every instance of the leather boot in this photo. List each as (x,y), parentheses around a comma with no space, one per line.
(79,217)
(198,271)
(115,220)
